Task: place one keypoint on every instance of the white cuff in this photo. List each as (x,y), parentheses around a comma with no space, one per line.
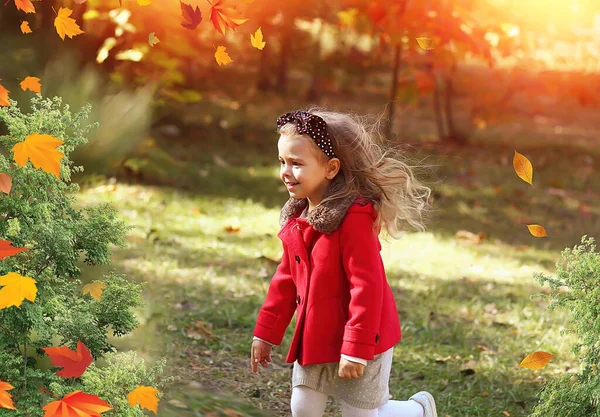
(258,338)
(355,359)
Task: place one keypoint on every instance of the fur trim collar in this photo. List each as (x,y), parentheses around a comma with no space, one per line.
(325,218)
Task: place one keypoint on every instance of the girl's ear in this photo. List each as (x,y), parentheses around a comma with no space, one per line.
(333,166)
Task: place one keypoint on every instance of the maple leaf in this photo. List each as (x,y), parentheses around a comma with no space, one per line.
(536,360)
(225,17)
(257,39)
(523,167)
(31,83)
(76,403)
(152,39)
(6,248)
(191,17)
(16,288)
(348,17)
(4,96)
(94,289)
(41,150)
(5,397)
(65,25)
(25,27)
(74,363)
(221,56)
(5,184)
(25,5)
(145,397)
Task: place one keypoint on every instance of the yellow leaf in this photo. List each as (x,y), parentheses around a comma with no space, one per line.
(523,167)
(536,230)
(94,289)
(257,39)
(152,39)
(31,83)
(348,17)
(25,5)
(144,2)
(15,289)
(221,56)
(25,27)
(425,43)
(65,25)
(41,150)
(536,360)
(4,96)
(145,397)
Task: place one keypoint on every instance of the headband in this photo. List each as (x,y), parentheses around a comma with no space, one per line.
(312,125)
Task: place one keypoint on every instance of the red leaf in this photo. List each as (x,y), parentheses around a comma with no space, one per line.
(74,363)
(6,249)
(191,17)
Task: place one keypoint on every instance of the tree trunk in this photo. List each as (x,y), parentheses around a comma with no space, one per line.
(437,108)
(283,61)
(313,92)
(263,83)
(453,135)
(394,91)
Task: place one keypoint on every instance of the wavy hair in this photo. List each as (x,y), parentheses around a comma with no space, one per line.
(374,169)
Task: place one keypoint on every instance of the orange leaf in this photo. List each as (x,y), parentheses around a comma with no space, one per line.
(31,83)
(25,5)
(5,184)
(536,360)
(15,289)
(4,96)
(145,397)
(5,397)
(74,363)
(94,289)
(6,248)
(76,403)
(65,25)
(221,56)
(425,43)
(523,167)
(25,27)
(225,17)
(191,17)
(41,150)
(536,230)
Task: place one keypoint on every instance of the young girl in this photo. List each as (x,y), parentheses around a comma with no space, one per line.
(343,187)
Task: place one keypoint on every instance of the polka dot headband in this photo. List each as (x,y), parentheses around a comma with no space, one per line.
(312,125)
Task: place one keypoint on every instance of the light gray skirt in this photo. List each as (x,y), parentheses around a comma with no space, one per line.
(368,391)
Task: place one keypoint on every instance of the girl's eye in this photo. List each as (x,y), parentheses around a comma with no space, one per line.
(293,163)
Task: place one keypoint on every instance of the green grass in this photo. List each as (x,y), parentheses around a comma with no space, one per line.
(461,306)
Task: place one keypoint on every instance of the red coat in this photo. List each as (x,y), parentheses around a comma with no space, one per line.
(333,277)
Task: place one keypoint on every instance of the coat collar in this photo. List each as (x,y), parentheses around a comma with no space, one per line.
(326,217)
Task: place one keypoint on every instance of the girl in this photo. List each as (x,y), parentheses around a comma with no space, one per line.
(343,187)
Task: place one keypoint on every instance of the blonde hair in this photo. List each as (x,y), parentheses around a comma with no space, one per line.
(373,169)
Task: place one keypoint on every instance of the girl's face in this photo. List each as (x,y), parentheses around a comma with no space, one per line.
(302,170)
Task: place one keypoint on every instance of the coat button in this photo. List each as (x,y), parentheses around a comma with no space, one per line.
(297,299)
(297,259)
(377,339)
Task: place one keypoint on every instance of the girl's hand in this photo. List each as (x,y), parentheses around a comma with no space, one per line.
(260,353)
(349,369)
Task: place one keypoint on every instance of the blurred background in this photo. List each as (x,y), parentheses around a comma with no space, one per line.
(186,149)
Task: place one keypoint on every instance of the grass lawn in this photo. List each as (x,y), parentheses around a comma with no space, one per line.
(467,319)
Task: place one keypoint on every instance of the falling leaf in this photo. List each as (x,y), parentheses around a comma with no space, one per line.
(31,83)
(16,288)
(152,39)
(74,363)
(5,397)
(221,56)
(536,360)
(65,25)
(5,184)
(94,289)
(425,43)
(144,2)
(536,230)
(523,167)
(234,227)
(41,149)
(6,249)
(225,17)
(191,17)
(76,403)
(25,5)
(80,1)
(257,39)
(25,27)
(145,397)
(348,17)
(4,96)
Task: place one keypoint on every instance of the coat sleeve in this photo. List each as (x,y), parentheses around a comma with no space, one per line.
(279,306)
(364,268)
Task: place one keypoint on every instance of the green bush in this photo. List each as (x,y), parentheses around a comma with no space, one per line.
(576,287)
(38,214)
